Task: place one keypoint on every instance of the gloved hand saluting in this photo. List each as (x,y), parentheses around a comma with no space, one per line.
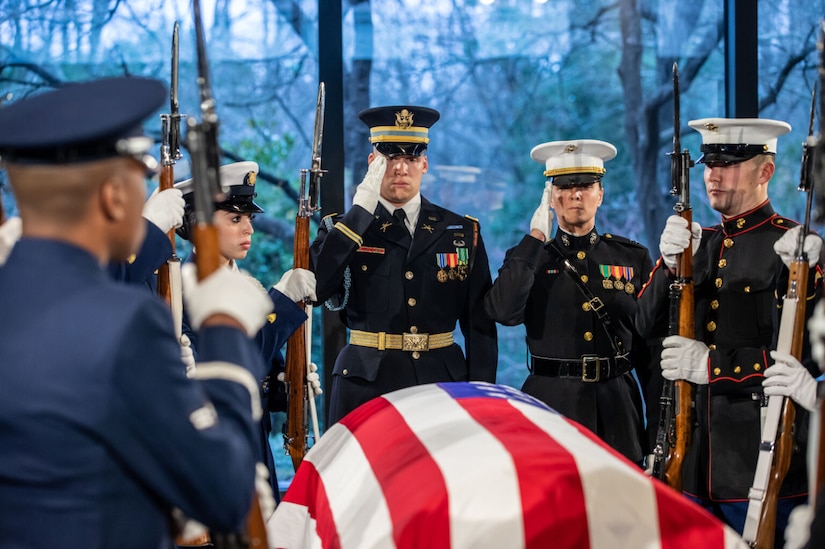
(785,247)
(165,209)
(685,358)
(233,293)
(543,217)
(367,192)
(10,232)
(789,378)
(297,284)
(675,238)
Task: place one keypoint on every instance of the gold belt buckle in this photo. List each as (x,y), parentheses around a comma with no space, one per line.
(415,342)
(591,360)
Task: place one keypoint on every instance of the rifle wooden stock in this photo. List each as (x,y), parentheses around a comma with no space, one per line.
(296,362)
(167,177)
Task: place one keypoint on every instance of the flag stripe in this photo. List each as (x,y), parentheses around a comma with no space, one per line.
(493,520)
(546,479)
(420,517)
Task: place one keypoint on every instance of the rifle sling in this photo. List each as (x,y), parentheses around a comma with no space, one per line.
(596,304)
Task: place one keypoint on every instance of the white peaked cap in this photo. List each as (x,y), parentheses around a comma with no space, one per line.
(231,175)
(573,156)
(741,131)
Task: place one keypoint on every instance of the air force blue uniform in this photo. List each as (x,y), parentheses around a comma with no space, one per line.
(100,429)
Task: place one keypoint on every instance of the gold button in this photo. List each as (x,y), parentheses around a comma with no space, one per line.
(717,371)
(712,346)
(747,289)
(131,259)
(718,282)
(586,306)
(728,242)
(411,302)
(757,367)
(413,329)
(714,304)
(737,369)
(409,275)
(723,263)
(588,336)
(585,279)
(581,255)
(345,371)
(363,267)
(416,355)
(271,317)
(711,326)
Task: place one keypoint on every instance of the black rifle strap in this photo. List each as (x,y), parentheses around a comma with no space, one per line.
(596,304)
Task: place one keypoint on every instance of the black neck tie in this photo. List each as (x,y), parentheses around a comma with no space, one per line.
(400,216)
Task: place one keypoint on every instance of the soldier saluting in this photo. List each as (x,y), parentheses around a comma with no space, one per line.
(404,271)
(575,292)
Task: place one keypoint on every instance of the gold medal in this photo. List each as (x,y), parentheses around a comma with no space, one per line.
(441,276)
(629,288)
(452,274)
(462,272)
(607,284)
(619,285)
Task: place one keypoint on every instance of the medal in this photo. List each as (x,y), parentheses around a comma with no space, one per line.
(463,262)
(452,262)
(441,275)
(619,285)
(629,288)
(607,284)
(441,259)
(462,272)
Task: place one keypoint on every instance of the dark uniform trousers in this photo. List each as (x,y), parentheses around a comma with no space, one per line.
(532,288)
(738,278)
(395,287)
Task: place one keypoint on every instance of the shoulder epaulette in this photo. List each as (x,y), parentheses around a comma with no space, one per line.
(471,218)
(784,222)
(622,240)
(330,215)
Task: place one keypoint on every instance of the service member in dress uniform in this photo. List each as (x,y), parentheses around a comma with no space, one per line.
(579,319)
(740,269)
(233,221)
(102,432)
(403,271)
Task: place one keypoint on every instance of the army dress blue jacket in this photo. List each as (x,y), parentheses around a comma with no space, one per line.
(102,433)
(738,280)
(399,286)
(533,289)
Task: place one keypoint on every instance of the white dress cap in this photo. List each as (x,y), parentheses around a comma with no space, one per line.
(573,156)
(737,139)
(231,175)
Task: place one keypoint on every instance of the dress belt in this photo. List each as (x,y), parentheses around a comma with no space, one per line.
(588,368)
(403,342)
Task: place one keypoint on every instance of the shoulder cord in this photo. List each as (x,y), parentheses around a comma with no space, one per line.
(327,221)
(596,304)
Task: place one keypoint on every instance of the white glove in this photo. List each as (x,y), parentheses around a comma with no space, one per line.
(675,239)
(297,284)
(798,529)
(165,209)
(10,232)
(233,293)
(649,464)
(785,247)
(187,355)
(816,334)
(685,358)
(789,378)
(312,379)
(543,217)
(367,192)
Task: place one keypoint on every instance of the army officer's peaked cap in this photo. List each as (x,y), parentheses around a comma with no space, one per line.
(400,130)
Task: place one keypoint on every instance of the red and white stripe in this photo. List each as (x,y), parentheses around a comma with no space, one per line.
(489,467)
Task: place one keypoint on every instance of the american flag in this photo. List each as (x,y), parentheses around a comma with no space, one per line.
(474,465)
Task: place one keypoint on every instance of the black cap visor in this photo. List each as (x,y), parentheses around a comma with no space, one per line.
(391,150)
(722,154)
(575,180)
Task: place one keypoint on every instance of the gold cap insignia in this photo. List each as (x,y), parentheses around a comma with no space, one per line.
(250,178)
(572,147)
(711,127)
(404,119)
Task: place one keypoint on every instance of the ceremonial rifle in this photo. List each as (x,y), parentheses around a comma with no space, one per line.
(674,428)
(777,442)
(169,285)
(202,142)
(300,399)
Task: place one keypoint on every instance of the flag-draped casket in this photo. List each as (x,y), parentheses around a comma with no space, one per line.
(474,465)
